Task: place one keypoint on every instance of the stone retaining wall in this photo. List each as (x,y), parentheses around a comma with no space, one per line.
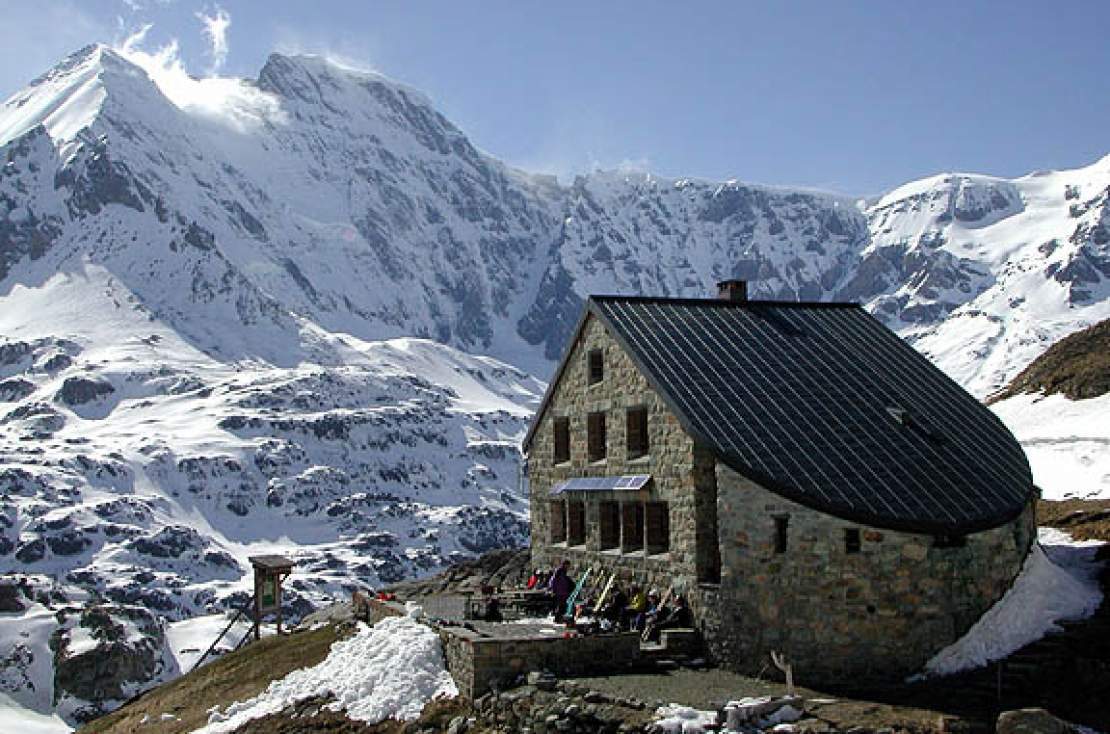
(480,664)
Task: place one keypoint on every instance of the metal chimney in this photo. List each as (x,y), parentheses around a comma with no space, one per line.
(733,290)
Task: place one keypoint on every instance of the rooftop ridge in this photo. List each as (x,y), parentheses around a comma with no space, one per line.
(714,301)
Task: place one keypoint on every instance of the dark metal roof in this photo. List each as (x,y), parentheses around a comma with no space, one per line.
(824,405)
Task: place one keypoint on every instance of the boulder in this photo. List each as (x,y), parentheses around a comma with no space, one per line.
(12,598)
(1030,721)
(80,390)
(15,389)
(31,551)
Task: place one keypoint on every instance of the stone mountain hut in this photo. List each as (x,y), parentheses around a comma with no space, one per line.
(813,484)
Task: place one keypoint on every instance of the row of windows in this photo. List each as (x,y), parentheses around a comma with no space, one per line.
(636,435)
(629,527)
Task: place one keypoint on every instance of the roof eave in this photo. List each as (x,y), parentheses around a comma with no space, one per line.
(917,527)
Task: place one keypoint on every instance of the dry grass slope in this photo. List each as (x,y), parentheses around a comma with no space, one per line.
(1082,519)
(1077,366)
(234,677)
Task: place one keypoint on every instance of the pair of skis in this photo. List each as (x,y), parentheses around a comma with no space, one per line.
(573,599)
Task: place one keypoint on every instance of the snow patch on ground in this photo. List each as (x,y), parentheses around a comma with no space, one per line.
(1067,442)
(390,670)
(1058,582)
(15,718)
(189,638)
(677,719)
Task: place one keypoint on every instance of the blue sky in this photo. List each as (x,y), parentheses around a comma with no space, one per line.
(854,98)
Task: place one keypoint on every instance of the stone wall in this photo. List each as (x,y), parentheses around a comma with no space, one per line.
(674,464)
(879,613)
(480,664)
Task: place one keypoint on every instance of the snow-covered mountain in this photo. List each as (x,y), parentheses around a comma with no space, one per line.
(244,316)
(139,473)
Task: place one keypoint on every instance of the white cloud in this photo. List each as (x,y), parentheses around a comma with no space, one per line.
(229,101)
(347,53)
(215,30)
(136,6)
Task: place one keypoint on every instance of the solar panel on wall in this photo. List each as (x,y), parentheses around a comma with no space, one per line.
(602,484)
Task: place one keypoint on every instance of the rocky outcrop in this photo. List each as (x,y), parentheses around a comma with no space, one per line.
(15,389)
(81,390)
(1030,721)
(504,567)
(102,654)
(13,597)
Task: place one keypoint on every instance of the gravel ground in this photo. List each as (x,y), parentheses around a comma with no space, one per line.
(709,689)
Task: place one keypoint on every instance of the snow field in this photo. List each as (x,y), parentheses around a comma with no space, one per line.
(16,718)
(1067,442)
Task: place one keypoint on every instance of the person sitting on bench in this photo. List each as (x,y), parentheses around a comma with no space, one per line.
(637,605)
(672,616)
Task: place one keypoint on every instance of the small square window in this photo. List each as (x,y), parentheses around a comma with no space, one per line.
(637,424)
(562,440)
(596,366)
(851,540)
(781,524)
(595,436)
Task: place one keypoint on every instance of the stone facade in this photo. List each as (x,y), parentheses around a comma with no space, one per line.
(673,462)
(840,600)
(877,613)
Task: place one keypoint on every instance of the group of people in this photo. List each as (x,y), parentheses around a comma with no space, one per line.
(646,612)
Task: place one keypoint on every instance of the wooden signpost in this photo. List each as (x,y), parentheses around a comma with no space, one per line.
(269,572)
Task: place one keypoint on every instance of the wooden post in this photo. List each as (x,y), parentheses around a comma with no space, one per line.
(780,662)
(256,627)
